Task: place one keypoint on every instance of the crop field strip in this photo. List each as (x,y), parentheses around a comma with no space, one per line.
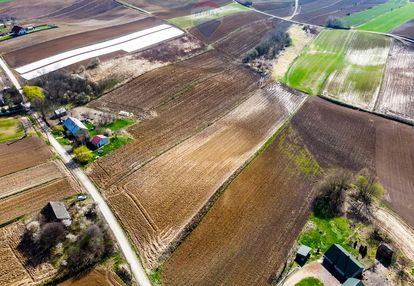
(22,154)
(397,91)
(175,102)
(169,194)
(342,137)
(280,8)
(128,43)
(358,77)
(270,199)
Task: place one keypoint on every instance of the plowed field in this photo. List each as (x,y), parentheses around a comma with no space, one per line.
(281,8)
(246,236)
(397,91)
(22,154)
(175,102)
(338,136)
(35,199)
(95,278)
(164,198)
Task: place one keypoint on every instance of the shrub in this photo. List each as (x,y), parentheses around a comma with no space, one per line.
(93,64)
(83,155)
(50,235)
(336,23)
(33,93)
(58,130)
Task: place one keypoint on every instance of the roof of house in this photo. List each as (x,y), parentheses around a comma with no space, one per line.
(59,210)
(97,139)
(304,250)
(344,261)
(71,122)
(353,282)
(60,110)
(17,28)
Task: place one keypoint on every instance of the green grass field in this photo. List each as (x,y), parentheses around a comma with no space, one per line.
(189,21)
(115,142)
(309,72)
(390,21)
(10,129)
(120,124)
(310,281)
(362,17)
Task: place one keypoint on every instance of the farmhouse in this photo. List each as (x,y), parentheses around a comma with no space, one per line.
(74,126)
(56,211)
(342,263)
(18,31)
(99,140)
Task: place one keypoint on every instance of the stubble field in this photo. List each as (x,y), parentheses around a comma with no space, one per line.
(397,91)
(246,236)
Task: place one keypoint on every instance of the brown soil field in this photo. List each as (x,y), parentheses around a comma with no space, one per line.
(71,16)
(175,8)
(26,153)
(33,275)
(29,178)
(406,30)
(96,277)
(318,11)
(36,198)
(241,41)
(246,236)
(49,48)
(342,137)
(281,8)
(214,30)
(396,96)
(174,103)
(167,196)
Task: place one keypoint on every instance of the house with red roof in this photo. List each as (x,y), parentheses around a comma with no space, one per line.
(99,140)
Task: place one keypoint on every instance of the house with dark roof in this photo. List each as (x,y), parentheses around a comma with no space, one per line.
(18,31)
(74,126)
(342,263)
(99,140)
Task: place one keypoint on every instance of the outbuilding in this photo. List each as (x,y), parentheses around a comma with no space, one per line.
(56,211)
(303,254)
(99,140)
(74,126)
(59,113)
(353,282)
(18,31)
(384,253)
(342,263)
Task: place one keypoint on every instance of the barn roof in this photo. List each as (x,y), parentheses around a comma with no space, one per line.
(97,139)
(343,261)
(59,210)
(304,250)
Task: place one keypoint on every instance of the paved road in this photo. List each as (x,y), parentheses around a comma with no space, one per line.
(132,259)
(137,270)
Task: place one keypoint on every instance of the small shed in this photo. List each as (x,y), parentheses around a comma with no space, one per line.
(75,126)
(99,140)
(384,253)
(353,282)
(303,254)
(59,113)
(18,31)
(56,211)
(342,262)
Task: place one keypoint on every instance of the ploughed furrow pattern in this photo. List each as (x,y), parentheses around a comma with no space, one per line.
(397,92)
(246,236)
(342,137)
(169,195)
(190,107)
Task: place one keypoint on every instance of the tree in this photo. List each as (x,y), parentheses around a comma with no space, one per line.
(329,202)
(83,155)
(33,93)
(50,235)
(336,23)
(367,190)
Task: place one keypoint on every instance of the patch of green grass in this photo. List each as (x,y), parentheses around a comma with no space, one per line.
(362,17)
(120,124)
(91,128)
(189,21)
(155,277)
(309,72)
(10,129)
(5,1)
(64,141)
(115,142)
(4,38)
(310,281)
(42,28)
(325,232)
(391,20)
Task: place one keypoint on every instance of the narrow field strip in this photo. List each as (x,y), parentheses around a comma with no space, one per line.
(128,46)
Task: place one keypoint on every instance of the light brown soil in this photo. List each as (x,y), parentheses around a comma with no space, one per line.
(246,236)
(23,154)
(397,92)
(347,138)
(168,194)
(95,278)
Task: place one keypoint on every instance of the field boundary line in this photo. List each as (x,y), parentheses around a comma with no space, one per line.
(127,5)
(202,212)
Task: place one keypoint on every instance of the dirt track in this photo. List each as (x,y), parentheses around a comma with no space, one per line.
(343,137)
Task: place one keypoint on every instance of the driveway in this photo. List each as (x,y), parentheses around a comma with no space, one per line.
(313,269)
